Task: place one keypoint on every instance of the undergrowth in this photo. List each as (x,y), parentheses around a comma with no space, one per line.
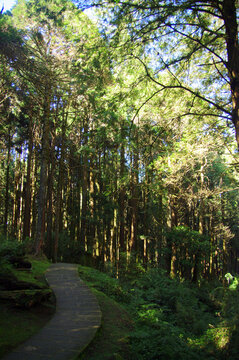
(174,319)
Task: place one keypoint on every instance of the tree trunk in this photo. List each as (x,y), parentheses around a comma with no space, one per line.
(133,243)
(27,210)
(40,229)
(122,202)
(60,187)
(84,179)
(34,194)
(230,19)
(92,207)
(49,235)
(7,184)
(17,196)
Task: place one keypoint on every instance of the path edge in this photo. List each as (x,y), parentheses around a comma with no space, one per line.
(82,348)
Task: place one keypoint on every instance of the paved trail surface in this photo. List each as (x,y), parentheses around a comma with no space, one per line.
(74,324)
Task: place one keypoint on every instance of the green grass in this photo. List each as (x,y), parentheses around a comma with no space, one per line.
(17,324)
(36,274)
(112,339)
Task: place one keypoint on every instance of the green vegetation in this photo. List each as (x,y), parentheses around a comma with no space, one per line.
(25,300)
(117,137)
(172,319)
(119,143)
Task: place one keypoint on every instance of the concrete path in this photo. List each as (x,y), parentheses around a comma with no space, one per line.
(74,324)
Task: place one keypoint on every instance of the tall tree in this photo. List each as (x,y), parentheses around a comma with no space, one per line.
(190,40)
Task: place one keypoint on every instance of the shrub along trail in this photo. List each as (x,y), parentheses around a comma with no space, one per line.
(74,324)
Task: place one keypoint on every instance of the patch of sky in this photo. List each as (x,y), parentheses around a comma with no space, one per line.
(7,4)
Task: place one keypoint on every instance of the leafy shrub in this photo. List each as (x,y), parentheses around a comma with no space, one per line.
(162,341)
(175,320)
(129,268)
(10,249)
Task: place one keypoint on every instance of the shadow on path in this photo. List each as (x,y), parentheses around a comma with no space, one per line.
(74,324)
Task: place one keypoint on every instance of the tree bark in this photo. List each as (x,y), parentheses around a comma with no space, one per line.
(230,21)
(7,184)
(59,187)
(134,204)
(50,186)
(40,229)
(122,202)
(84,180)
(27,210)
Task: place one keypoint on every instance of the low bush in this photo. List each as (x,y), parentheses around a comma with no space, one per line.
(174,320)
(10,249)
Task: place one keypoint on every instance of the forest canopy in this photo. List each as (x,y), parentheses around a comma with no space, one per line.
(119,133)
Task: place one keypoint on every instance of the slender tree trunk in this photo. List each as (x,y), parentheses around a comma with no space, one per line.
(84,202)
(84,182)
(51,172)
(17,196)
(73,203)
(212,254)
(224,241)
(34,193)
(40,229)
(7,184)
(122,201)
(134,203)
(27,210)
(60,187)
(79,199)
(195,270)
(160,235)
(173,250)
(92,207)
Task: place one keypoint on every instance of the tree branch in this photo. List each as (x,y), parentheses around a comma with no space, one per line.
(191,91)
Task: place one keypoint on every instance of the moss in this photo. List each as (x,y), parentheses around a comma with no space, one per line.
(26,298)
(17,324)
(35,275)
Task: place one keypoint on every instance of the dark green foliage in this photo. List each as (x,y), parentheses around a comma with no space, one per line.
(173,319)
(10,249)
(26,298)
(190,249)
(10,39)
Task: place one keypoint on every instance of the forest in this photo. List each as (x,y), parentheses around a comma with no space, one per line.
(119,138)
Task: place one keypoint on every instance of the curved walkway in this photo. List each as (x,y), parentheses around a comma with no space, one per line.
(73,325)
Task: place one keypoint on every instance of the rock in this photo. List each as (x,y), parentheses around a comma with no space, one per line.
(20,262)
(10,282)
(26,298)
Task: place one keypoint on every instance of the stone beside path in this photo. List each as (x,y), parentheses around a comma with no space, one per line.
(74,324)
